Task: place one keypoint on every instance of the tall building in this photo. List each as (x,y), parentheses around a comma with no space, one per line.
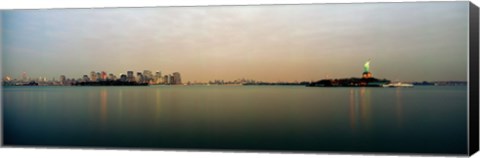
(158,77)
(93,76)
(123,78)
(104,75)
(85,78)
(112,77)
(148,76)
(24,76)
(130,76)
(63,79)
(99,76)
(171,79)
(176,78)
(166,79)
(140,78)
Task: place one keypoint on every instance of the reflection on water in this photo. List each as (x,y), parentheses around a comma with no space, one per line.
(353,109)
(365,107)
(157,104)
(44,103)
(103,105)
(120,102)
(399,106)
(360,108)
(241,117)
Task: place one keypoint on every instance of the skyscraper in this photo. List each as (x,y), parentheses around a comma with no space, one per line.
(171,79)
(123,78)
(99,76)
(140,78)
(24,76)
(93,76)
(85,78)
(176,78)
(63,79)
(166,79)
(158,77)
(148,76)
(104,75)
(112,77)
(130,76)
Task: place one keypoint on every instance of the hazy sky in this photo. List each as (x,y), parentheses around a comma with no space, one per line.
(405,41)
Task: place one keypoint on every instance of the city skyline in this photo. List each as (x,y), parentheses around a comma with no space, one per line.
(267,43)
(104,76)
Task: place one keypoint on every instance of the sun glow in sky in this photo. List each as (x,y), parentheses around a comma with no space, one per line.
(405,41)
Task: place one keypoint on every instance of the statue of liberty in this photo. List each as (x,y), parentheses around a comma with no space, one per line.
(366,70)
(366,67)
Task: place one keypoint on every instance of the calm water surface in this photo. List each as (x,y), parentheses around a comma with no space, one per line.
(420,119)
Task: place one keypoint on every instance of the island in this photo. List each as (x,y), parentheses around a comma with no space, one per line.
(367,80)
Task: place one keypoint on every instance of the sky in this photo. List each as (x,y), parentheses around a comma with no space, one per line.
(404,41)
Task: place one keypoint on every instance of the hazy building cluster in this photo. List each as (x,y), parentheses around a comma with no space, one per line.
(237,81)
(146,77)
(26,80)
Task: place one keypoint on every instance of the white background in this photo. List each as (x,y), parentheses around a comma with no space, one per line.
(81,153)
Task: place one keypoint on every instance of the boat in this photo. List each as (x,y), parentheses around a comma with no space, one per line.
(398,84)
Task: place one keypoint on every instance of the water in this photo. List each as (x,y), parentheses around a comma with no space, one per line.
(294,118)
